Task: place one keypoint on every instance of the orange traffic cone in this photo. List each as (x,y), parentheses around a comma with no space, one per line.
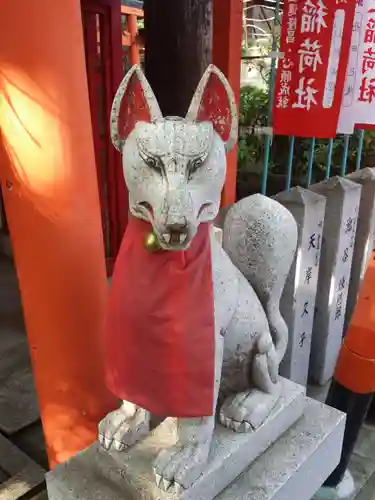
(353,384)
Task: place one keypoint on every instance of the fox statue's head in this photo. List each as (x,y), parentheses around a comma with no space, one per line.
(174,167)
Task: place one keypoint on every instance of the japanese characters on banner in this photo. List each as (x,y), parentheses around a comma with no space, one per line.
(358,104)
(315,40)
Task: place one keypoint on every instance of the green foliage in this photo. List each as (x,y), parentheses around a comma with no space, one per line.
(140,23)
(253,107)
(253,114)
(261,62)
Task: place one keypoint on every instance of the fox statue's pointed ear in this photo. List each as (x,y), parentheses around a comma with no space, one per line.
(134,101)
(214,101)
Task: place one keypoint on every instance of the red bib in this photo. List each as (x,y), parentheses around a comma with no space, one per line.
(159,334)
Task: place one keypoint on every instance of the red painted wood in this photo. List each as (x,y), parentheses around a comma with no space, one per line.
(90,37)
(104,71)
(52,205)
(132,11)
(226,54)
(133,30)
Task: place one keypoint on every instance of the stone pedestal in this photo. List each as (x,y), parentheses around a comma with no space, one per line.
(297,303)
(231,453)
(294,466)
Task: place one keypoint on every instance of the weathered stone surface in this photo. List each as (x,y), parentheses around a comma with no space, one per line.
(294,467)
(298,463)
(24,474)
(298,299)
(364,235)
(18,402)
(341,216)
(230,454)
(256,229)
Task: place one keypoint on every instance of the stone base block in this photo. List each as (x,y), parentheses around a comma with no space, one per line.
(343,491)
(231,453)
(295,466)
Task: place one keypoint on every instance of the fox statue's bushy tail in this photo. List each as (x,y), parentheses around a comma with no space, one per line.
(260,237)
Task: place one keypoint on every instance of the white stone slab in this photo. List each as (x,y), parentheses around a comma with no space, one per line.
(340,221)
(294,467)
(298,299)
(364,236)
(299,462)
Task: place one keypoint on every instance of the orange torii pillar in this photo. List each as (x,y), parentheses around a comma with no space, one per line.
(134,48)
(48,177)
(226,55)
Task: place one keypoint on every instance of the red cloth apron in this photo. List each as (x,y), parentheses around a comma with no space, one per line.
(159,334)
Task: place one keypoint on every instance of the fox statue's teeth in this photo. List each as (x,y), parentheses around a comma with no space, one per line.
(175,238)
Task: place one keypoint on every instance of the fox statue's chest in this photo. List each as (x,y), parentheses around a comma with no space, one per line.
(160,329)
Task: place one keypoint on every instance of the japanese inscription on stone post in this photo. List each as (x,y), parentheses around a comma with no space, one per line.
(340,285)
(343,198)
(305,295)
(299,295)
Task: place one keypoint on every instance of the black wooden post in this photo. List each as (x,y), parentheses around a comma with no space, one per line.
(355,406)
(178,36)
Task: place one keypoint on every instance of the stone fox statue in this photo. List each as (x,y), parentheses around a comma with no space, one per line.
(193,329)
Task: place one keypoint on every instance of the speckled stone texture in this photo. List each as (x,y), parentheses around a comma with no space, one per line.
(255,226)
(293,468)
(341,215)
(298,299)
(364,236)
(230,453)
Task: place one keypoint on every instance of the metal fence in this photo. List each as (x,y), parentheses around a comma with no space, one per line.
(351,146)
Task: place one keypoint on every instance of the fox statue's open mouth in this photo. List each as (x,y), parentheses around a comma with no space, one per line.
(174,239)
(176,236)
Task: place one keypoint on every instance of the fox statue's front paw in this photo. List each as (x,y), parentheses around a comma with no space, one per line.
(178,467)
(121,429)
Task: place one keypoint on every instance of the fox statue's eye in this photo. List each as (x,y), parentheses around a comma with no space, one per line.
(194,165)
(152,162)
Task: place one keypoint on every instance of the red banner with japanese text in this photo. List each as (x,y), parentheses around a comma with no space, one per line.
(358,108)
(315,41)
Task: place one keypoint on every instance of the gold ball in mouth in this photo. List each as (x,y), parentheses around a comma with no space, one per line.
(151,243)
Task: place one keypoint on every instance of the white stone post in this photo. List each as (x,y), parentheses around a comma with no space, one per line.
(342,206)
(364,237)
(298,300)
